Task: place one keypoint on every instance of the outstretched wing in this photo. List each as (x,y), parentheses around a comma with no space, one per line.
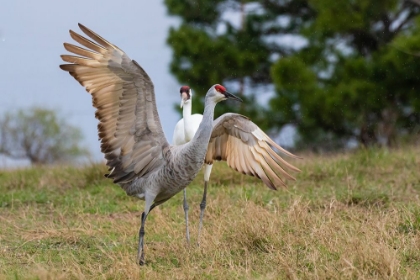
(247,149)
(129,128)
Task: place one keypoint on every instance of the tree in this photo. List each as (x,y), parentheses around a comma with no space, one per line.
(40,136)
(342,77)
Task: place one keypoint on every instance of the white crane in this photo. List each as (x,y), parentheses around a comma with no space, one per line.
(137,153)
(186,128)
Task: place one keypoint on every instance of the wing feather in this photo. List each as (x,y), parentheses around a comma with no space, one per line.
(83,52)
(129,127)
(247,149)
(87,43)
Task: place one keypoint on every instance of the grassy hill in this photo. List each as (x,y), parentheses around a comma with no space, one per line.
(352,216)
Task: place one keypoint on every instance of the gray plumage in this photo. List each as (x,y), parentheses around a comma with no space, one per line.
(137,153)
(179,166)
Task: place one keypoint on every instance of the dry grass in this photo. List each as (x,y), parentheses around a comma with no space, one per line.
(354,216)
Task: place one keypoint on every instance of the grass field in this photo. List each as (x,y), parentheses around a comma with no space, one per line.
(353,216)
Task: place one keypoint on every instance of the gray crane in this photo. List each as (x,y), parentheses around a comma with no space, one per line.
(236,139)
(137,153)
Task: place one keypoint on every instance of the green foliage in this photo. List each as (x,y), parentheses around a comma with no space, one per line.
(202,57)
(353,78)
(40,136)
(198,11)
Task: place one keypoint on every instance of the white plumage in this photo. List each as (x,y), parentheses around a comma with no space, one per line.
(186,127)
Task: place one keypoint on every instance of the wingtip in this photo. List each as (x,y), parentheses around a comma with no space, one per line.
(66,67)
(85,29)
(67,46)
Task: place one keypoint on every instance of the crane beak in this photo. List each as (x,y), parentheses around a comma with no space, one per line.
(184,97)
(231,96)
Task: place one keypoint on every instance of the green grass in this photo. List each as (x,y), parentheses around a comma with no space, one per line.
(352,216)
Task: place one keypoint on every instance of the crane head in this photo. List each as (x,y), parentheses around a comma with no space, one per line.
(186,94)
(220,93)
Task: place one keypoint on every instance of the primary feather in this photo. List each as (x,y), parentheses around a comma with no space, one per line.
(247,149)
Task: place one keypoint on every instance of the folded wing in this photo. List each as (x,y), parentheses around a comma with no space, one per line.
(247,149)
(129,128)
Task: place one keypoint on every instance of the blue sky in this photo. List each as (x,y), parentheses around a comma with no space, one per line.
(31,41)
(32,34)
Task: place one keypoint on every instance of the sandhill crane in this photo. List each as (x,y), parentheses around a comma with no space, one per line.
(137,153)
(228,129)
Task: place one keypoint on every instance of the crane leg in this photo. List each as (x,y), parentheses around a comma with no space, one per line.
(186,208)
(207,173)
(140,251)
(147,208)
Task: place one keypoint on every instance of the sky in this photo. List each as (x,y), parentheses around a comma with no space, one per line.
(32,34)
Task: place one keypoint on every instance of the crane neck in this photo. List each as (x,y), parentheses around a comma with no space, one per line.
(198,145)
(189,126)
(186,109)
